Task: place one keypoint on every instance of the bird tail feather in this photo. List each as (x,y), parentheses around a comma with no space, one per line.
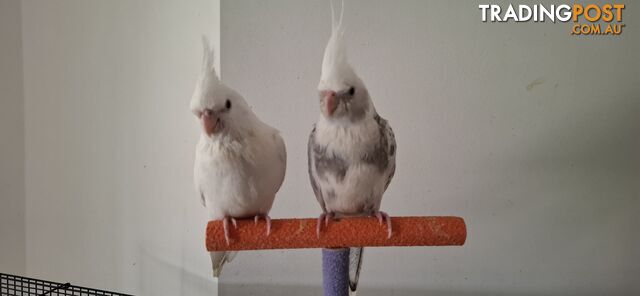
(355,263)
(218,259)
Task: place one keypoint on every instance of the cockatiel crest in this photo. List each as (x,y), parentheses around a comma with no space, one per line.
(336,70)
(221,109)
(208,81)
(209,90)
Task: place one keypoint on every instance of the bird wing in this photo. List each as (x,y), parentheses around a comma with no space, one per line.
(282,156)
(390,138)
(313,177)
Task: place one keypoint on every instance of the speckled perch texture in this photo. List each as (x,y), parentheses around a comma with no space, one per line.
(340,233)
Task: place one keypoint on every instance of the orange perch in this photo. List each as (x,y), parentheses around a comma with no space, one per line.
(345,232)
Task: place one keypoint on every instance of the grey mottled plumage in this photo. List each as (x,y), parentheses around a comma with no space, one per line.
(328,168)
(351,149)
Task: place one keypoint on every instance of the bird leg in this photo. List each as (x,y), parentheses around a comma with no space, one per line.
(266,218)
(383,216)
(235,223)
(225,226)
(326,217)
(319,224)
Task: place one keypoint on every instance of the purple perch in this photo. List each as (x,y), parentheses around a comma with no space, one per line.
(335,272)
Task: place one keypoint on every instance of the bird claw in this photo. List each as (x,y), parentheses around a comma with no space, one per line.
(225,227)
(267,219)
(326,217)
(319,224)
(235,223)
(383,216)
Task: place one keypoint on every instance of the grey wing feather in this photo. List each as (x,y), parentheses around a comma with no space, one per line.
(311,163)
(391,174)
(389,138)
(392,153)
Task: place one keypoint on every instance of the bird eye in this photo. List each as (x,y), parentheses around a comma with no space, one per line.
(352,91)
(227,104)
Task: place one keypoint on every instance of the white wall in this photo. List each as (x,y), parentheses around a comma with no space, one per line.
(546,176)
(12,235)
(110,141)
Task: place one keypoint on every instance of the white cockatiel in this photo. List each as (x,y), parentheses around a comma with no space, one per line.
(351,148)
(240,161)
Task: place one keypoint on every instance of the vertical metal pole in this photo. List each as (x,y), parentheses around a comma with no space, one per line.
(335,272)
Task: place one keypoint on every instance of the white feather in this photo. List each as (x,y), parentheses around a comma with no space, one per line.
(239,170)
(336,70)
(239,178)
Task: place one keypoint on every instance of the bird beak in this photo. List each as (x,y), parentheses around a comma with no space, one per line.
(210,122)
(331,102)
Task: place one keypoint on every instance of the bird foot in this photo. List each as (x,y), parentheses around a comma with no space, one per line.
(225,226)
(266,218)
(381,217)
(326,217)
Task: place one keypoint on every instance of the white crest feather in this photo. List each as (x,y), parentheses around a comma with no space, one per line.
(208,59)
(335,26)
(208,80)
(335,65)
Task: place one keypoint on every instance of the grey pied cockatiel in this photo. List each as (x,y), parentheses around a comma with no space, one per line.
(351,148)
(240,161)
